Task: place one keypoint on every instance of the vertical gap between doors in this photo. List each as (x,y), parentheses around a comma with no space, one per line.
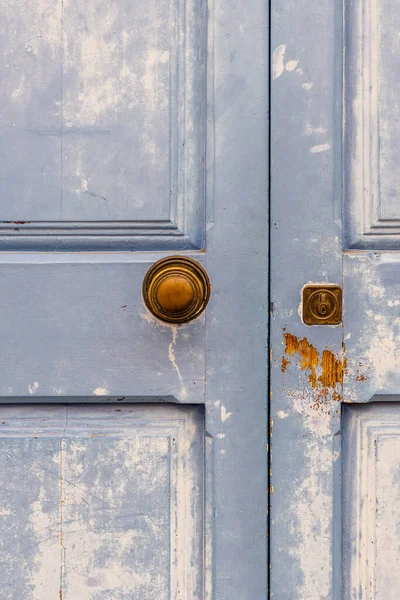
(269,83)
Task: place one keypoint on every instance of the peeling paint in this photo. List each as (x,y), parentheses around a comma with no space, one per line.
(325,371)
(33,388)
(291,65)
(281,414)
(172,358)
(320,148)
(278,65)
(225,415)
(100,391)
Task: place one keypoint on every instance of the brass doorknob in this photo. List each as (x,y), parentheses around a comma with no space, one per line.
(176,289)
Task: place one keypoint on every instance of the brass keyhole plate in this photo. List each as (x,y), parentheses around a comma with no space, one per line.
(322,304)
(176,289)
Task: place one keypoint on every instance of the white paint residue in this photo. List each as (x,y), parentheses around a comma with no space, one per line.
(320,148)
(299,71)
(84,185)
(312,503)
(224,414)
(57,391)
(172,358)
(392,303)
(309,129)
(291,65)
(220,436)
(100,391)
(307,86)
(278,65)
(281,414)
(33,388)
(45,576)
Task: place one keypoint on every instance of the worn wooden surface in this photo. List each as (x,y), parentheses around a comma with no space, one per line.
(124,138)
(371,497)
(335,219)
(101,502)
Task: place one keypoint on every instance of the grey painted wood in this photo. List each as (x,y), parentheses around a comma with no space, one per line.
(101,164)
(101,502)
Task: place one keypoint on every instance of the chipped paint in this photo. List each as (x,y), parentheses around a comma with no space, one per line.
(101,391)
(172,359)
(81,503)
(324,370)
(320,148)
(291,65)
(278,65)
(281,414)
(225,415)
(32,389)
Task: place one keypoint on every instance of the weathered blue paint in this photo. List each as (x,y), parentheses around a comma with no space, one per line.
(127,128)
(371,494)
(335,219)
(306,248)
(101,502)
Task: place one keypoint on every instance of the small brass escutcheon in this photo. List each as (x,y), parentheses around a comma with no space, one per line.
(176,289)
(322,304)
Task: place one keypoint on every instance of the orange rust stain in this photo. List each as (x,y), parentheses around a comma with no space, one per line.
(325,372)
(308,355)
(332,370)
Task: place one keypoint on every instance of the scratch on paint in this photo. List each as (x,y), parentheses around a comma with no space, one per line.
(172,358)
(325,372)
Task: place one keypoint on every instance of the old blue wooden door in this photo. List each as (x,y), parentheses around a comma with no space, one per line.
(336,219)
(133,458)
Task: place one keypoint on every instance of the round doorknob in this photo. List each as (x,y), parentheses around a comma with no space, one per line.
(176,289)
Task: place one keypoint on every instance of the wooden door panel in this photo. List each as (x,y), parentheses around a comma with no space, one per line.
(335,219)
(101,502)
(82,329)
(131,131)
(371,495)
(103,125)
